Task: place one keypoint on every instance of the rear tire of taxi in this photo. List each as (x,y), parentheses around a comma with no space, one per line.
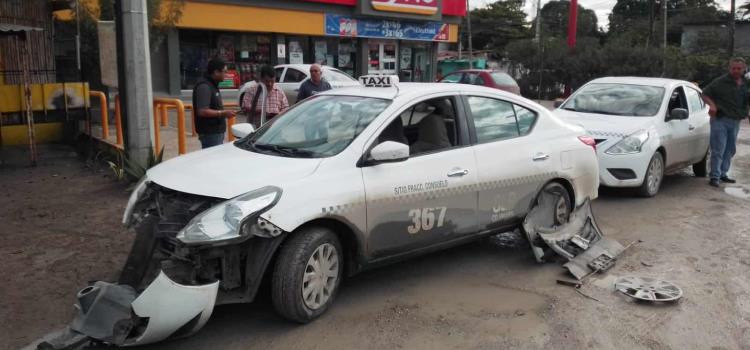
(654,176)
(700,169)
(295,274)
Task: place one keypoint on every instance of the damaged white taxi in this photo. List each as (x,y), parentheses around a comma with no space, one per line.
(348,180)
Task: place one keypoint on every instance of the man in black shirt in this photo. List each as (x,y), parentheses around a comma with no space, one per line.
(314,85)
(209,114)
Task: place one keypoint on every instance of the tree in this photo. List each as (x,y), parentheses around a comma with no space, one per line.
(163,15)
(497,24)
(629,19)
(555,16)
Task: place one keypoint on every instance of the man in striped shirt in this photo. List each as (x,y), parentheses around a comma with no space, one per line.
(263,101)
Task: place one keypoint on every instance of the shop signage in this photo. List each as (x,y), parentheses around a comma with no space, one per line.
(419,7)
(387,29)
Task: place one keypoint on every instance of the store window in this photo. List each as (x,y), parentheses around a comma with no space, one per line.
(243,52)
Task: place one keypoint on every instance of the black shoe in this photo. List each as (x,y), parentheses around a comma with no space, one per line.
(714,182)
(728,180)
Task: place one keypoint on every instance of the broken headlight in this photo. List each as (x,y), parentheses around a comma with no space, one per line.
(140,187)
(631,144)
(224,221)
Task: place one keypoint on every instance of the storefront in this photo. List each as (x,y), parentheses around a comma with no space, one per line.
(356,36)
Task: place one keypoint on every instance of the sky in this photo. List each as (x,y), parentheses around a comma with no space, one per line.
(601,7)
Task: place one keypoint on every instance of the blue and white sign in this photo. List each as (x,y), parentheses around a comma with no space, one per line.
(386,29)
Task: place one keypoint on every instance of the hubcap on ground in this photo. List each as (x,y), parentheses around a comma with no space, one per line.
(654,175)
(321,275)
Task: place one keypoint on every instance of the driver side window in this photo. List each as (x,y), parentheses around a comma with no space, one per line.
(426,127)
(677,100)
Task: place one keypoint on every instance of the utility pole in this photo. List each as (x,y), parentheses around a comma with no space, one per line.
(731,29)
(538,20)
(650,38)
(664,44)
(134,78)
(471,47)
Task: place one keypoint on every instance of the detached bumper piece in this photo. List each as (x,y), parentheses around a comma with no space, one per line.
(114,314)
(579,240)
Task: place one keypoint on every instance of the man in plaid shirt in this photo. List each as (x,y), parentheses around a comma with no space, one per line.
(267,100)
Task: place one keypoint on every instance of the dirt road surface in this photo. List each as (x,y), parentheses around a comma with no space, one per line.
(59,225)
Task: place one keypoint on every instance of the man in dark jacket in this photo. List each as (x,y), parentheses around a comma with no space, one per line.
(209,114)
(314,85)
(727,97)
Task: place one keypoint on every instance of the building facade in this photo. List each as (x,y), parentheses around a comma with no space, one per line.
(356,36)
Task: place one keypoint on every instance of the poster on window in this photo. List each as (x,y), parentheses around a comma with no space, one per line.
(345,55)
(406,58)
(295,53)
(321,52)
(225,45)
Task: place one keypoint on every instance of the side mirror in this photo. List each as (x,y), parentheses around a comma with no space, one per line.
(558,102)
(388,152)
(678,114)
(243,129)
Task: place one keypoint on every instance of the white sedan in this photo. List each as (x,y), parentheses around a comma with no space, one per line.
(643,127)
(348,180)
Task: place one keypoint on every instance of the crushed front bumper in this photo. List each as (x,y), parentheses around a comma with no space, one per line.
(115,315)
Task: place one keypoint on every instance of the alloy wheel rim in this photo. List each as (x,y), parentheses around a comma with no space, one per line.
(561,211)
(320,276)
(654,175)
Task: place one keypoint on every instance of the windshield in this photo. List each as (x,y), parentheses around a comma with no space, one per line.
(322,126)
(452,78)
(617,99)
(503,79)
(336,75)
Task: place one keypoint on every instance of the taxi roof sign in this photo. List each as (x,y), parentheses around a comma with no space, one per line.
(378,80)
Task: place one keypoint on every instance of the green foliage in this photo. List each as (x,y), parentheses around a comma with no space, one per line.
(495,25)
(126,168)
(555,15)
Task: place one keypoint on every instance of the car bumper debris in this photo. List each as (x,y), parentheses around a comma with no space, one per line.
(579,240)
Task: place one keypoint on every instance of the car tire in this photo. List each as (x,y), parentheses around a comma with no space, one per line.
(563,206)
(701,169)
(307,274)
(654,176)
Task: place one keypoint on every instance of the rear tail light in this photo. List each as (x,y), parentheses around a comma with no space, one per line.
(589,141)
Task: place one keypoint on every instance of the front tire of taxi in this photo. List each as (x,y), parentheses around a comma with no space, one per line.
(654,176)
(307,274)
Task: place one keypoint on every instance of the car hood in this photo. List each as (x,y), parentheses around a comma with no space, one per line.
(604,125)
(227,171)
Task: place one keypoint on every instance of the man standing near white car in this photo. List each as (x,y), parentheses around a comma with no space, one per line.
(728,98)
(314,85)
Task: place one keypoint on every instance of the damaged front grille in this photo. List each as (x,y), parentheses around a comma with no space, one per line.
(158,216)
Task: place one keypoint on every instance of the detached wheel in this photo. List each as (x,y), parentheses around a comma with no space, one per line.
(307,274)
(654,176)
(701,169)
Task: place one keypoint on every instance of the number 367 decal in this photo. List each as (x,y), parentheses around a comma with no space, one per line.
(425,219)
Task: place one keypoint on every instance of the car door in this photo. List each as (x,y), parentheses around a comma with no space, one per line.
(698,125)
(429,198)
(676,140)
(512,165)
(290,83)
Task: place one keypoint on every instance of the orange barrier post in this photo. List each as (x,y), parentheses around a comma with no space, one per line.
(163,103)
(104,107)
(230,122)
(156,127)
(164,115)
(118,120)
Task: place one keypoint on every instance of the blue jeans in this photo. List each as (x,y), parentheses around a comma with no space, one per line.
(210,140)
(723,141)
